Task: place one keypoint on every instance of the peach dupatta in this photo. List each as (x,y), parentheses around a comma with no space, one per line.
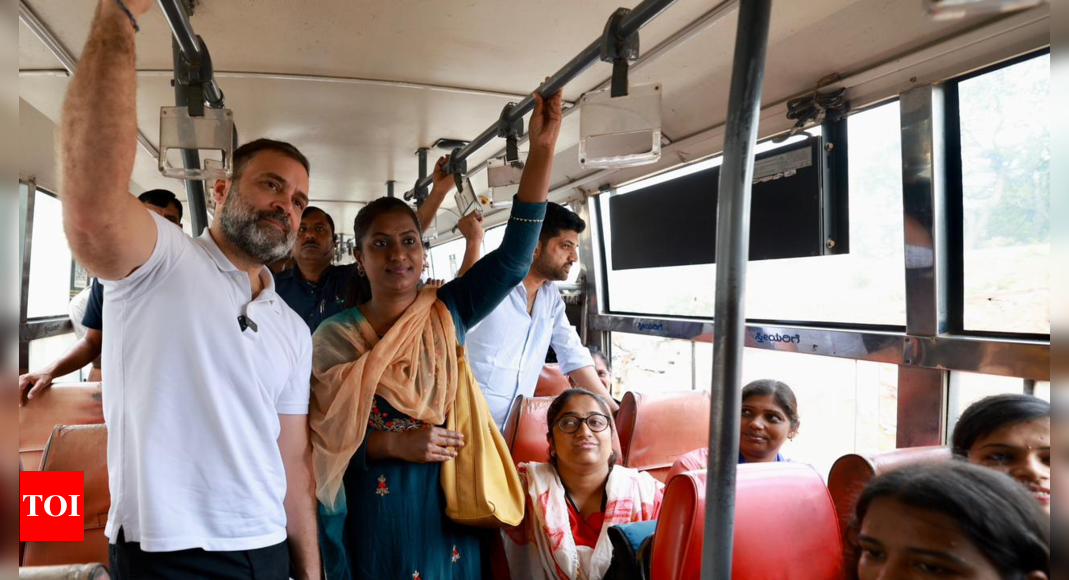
(413,367)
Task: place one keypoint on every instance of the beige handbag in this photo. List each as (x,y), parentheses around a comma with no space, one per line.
(482,487)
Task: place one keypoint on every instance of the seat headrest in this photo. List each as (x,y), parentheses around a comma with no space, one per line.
(695,460)
(655,430)
(83,448)
(551,382)
(785,526)
(852,473)
(78,448)
(527,428)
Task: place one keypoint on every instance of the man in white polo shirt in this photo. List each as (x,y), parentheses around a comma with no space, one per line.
(207,394)
(508,348)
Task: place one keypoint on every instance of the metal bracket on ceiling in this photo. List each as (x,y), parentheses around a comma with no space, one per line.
(195,75)
(620,50)
(457,167)
(511,131)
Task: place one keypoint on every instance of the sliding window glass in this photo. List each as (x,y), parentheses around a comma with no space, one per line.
(1005,155)
(50,260)
(865,286)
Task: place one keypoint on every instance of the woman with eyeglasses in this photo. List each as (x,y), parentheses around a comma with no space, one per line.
(573,500)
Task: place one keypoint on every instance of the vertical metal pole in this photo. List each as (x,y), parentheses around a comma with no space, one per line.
(191,159)
(389,188)
(732,253)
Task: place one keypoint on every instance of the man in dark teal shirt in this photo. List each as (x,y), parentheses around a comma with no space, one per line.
(315,289)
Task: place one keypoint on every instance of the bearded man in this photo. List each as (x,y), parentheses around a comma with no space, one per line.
(206,399)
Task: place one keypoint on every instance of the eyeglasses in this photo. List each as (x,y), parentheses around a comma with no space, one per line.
(596,423)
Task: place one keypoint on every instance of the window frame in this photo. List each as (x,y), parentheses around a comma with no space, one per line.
(955,192)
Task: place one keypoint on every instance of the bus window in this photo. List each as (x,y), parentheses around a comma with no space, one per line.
(446,259)
(1005,155)
(968,388)
(846,406)
(44,351)
(492,239)
(866,286)
(1043,390)
(50,261)
(652,364)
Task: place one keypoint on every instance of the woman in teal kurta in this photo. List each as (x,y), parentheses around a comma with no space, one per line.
(386,371)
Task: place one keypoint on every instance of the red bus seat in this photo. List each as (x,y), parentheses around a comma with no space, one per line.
(551,382)
(785,526)
(696,460)
(77,572)
(852,473)
(526,430)
(62,404)
(655,430)
(78,448)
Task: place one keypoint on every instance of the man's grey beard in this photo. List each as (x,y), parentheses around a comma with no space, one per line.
(241,225)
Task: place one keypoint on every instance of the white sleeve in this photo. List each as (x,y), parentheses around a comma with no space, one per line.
(295,397)
(171,243)
(571,354)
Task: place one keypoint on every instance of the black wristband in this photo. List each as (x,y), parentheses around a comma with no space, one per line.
(129,15)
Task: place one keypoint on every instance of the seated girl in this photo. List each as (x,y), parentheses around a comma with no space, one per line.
(769,419)
(1009,433)
(574,499)
(951,520)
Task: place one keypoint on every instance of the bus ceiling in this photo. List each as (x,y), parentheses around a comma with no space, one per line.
(355,160)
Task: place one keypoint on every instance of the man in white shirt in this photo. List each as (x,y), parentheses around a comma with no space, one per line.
(508,348)
(206,401)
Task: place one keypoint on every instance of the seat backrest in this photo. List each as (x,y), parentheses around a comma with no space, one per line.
(527,427)
(551,382)
(677,543)
(62,404)
(785,526)
(656,429)
(852,473)
(76,572)
(78,448)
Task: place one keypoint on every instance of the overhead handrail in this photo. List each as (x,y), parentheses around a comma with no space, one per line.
(194,86)
(191,48)
(624,26)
